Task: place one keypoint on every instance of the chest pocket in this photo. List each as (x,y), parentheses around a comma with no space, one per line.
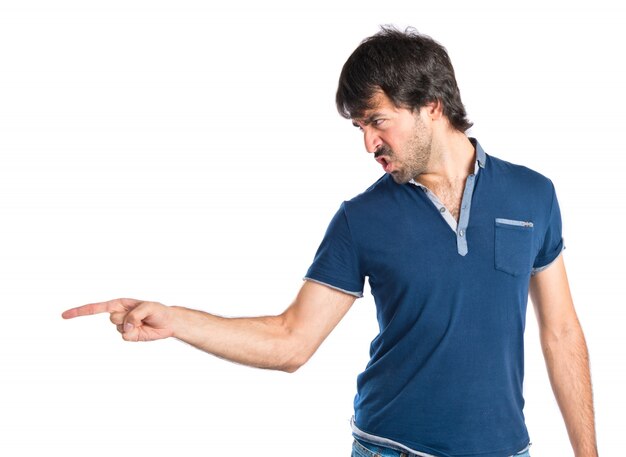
(513,246)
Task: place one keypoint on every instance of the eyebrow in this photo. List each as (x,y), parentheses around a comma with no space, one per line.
(367,120)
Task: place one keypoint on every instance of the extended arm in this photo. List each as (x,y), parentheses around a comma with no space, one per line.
(284,342)
(566,356)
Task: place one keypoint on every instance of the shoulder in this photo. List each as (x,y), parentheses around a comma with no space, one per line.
(382,188)
(519,178)
(381,202)
(376,197)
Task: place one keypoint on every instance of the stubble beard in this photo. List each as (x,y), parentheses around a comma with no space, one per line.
(418,150)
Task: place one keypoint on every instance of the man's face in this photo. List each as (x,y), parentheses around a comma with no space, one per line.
(399,138)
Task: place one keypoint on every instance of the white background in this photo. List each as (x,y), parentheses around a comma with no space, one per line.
(190,153)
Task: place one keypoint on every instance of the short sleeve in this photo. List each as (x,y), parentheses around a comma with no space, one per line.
(552,245)
(336,262)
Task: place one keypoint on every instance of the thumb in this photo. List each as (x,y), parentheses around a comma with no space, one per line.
(134,320)
(128,326)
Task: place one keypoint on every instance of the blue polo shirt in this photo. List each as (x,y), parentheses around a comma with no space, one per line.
(446,370)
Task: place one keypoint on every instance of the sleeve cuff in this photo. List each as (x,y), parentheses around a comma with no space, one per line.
(551,260)
(349,292)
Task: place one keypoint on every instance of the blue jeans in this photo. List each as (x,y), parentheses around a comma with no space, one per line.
(364,449)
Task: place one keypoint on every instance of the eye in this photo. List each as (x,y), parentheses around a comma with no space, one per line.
(378,122)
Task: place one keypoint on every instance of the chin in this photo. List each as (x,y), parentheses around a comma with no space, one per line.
(399,178)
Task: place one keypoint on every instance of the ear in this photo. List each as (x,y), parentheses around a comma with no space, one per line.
(434,110)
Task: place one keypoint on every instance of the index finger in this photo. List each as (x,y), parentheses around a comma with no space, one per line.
(95,308)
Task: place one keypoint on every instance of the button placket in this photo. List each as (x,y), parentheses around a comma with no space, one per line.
(459,228)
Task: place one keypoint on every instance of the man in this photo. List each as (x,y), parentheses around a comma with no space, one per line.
(452,241)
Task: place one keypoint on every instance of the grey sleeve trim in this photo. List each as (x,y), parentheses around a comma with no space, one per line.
(534,271)
(356,294)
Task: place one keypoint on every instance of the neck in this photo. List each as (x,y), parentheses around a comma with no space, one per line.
(451,160)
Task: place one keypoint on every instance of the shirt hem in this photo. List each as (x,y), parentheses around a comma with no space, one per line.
(357,433)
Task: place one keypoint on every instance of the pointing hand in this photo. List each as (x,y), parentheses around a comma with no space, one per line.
(136,320)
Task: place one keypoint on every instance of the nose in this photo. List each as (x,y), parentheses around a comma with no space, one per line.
(372,140)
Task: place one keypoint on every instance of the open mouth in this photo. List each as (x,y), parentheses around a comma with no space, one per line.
(386,164)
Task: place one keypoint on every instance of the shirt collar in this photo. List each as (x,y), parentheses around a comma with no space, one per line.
(480,153)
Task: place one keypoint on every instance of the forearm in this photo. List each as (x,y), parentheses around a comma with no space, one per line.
(567,361)
(264,342)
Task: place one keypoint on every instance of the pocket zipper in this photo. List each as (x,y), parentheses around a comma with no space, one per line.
(514,222)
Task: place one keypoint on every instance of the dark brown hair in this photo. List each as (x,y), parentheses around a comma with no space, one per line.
(411,69)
